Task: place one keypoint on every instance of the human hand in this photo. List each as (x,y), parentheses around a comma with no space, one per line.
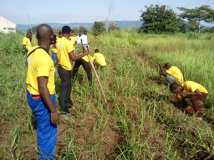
(55,118)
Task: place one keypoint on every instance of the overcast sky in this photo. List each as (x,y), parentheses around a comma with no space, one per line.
(63,11)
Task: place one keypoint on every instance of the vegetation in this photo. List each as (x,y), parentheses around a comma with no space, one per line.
(161,19)
(158,19)
(196,15)
(138,122)
(98,28)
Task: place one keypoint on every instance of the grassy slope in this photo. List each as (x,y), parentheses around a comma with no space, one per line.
(137,123)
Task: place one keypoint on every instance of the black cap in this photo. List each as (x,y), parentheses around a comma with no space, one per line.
(66,30)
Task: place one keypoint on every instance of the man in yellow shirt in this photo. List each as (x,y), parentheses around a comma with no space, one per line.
(26,42)
(192,94)
(172,74)
(66,56)
(73,38)
(99,59)
(41,93)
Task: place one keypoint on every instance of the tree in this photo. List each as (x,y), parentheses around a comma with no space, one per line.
(113,27)
(98,28)
(159,19)
(197,15)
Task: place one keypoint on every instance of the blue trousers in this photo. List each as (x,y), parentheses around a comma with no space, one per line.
(170,80)
(46,131)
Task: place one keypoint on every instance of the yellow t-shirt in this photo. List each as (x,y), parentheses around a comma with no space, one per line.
(53,49)
(100,59)
(64,47)
(73,40)
(87,58)
(176,72)
(40,64)
(58,38)
(26,43)
(193,86)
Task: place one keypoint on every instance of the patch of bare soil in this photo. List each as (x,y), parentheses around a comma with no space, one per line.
(108,138)
(84,128)
(111,140)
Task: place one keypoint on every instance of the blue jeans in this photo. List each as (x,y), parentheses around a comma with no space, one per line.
(54,57)
(170,80)
(46,131)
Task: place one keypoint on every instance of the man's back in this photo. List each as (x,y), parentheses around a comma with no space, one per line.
(40,64)
(84,39)
(64,47)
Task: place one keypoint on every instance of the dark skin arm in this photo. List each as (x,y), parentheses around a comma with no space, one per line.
(75,57)
(43,90)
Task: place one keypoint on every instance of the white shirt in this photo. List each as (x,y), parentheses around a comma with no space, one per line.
(84,39)
(78,40)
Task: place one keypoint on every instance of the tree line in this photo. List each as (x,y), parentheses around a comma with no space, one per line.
(159,19)
(162,19)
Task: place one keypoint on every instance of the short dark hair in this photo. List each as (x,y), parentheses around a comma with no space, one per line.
(96,50)
(174,86)
(39,33)
(66,30)
(167,65)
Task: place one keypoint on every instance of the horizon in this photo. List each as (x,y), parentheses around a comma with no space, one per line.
(34,12)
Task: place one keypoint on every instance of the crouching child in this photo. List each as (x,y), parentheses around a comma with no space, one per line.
(171,74)
(193,96)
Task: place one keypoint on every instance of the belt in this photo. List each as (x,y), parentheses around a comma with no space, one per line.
(36,96)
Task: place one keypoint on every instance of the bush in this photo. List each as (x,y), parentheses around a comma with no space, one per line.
(98,28)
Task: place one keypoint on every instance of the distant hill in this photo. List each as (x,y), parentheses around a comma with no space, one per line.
(121,24)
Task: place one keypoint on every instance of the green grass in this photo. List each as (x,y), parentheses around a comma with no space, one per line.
(137,123)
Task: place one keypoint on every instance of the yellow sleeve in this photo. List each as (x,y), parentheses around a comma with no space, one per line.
(43,67)
(170,71)
(54,50)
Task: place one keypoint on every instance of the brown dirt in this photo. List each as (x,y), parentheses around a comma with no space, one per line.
(84,128)
(109,138)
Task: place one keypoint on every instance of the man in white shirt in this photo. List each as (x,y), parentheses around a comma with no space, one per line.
(84,40)
(79,39)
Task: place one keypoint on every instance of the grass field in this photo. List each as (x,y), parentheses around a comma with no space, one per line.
(138,123)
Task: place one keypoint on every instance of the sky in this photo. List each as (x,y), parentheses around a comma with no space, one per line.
(66,11)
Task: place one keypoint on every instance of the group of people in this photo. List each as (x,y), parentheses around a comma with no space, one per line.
(60,51)
(189,95)
(54,51)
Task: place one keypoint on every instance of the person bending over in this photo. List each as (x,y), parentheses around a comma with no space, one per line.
(192,94)
(171,74)
(99,59)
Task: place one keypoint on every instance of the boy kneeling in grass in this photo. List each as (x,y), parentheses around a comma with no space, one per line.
(192,94)
(171,74)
